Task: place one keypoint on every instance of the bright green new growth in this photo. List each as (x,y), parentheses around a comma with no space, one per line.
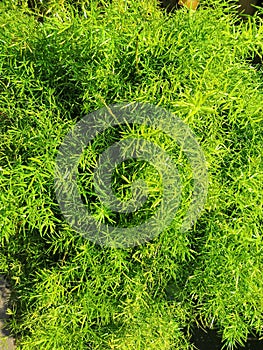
(71,294)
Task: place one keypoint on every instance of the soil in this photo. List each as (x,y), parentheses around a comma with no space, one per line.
(6,341)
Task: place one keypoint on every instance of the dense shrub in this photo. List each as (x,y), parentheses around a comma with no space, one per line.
(70,293)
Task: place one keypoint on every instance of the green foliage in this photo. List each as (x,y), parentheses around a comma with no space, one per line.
(69,293)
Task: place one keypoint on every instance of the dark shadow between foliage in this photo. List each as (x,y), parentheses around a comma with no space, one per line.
(247,7)
(210,339)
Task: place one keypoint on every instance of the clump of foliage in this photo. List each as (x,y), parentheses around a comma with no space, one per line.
(70,293)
